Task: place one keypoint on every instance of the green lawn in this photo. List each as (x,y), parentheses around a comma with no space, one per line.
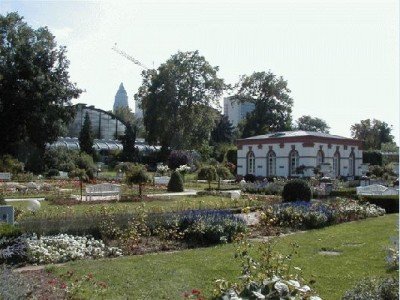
(168,275)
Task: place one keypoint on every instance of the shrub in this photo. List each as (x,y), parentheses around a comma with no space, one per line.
(8,230)
(85,161)
(52,173)
(390,202)
(175,183)
(296,190)
(60,158)
(231,156)
(249,178)
(208,173)
(10,164)
(345,192)
(2,200)
(177,158)
(374,288)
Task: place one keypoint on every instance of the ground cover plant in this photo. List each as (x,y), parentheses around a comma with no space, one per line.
(361,246)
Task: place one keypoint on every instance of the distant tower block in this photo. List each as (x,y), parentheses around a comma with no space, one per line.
(121,98)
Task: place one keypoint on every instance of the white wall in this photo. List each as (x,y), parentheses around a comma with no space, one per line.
(308,157)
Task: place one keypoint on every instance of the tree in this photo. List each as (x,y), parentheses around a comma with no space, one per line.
(137,175)
(309,123)
(223,131)
(85,136)
(35,90)
(128,142)
(127,116)
(373,134)
(273,105)
(177,101)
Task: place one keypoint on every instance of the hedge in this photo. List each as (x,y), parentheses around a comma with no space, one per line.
(348,192)
(389,202)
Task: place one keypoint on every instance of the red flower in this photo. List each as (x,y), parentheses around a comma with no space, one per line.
(195,292)
(63,286)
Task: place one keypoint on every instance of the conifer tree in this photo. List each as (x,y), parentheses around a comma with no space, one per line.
(86,136)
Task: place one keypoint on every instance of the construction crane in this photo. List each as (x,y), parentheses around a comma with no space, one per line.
(126,55)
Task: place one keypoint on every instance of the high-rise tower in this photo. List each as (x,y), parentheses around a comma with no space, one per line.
(121,98)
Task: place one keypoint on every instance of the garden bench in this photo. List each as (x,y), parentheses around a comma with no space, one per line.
(102,190)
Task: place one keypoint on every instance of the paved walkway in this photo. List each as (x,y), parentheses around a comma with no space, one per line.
(23,199)
(184,193)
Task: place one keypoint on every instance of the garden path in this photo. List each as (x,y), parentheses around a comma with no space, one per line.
(23,199)
(184,193)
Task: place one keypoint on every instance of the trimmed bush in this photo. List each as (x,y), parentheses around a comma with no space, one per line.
(389,202)
(175,184)
(347,192)
(296,190)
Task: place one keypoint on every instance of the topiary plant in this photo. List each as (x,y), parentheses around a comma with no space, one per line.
(137,175)
(175,184)
(208,173)
(296,190)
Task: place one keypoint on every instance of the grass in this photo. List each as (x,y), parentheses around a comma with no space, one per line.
(168,275)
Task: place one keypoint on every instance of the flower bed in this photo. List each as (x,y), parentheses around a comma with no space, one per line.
(53,249)
(317,214)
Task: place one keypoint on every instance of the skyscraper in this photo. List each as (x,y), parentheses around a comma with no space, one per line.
(121,98)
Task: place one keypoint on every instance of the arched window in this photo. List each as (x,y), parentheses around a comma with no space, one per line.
(251,163)
(271,163)
(320,157)
(293,162)
(352,164)
(336,164)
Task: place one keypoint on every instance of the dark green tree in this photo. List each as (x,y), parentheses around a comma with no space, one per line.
(86,136)
(35,88)
(223,131)
(309,123)
(177,101)
(273,105)
(128,143)
(372,133)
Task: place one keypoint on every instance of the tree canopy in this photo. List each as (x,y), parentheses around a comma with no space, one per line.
(223,131)
(273,105)
(35,88)
(372,133)
(177,101)
(309,123)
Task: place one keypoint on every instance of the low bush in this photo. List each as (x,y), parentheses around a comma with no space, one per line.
(200,227)
(264,188)
(390,202)
(52,173)
(374,288)
(310,215)
(296,190)
(8,230)
(175,183)
(345,192)
(249,178)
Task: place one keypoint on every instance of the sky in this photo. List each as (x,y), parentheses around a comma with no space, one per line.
(339,57)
